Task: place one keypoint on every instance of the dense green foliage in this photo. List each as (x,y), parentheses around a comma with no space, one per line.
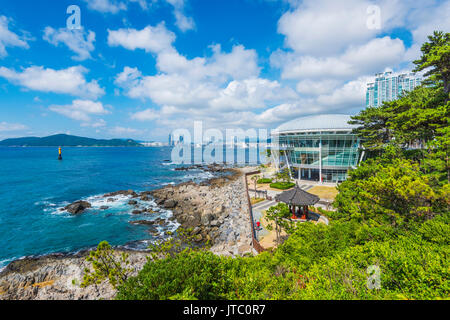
(65,140)
(395,193)
(436,59)
(392,214)
(280,215)
(283,176)
(106,264)
(264,180)
(282,185)
(315,262)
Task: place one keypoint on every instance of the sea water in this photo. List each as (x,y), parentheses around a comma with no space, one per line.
(34,186)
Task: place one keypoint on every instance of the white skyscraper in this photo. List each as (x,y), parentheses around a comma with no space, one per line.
(388,87)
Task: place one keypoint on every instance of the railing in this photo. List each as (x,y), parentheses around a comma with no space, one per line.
(259,192)
(255,241)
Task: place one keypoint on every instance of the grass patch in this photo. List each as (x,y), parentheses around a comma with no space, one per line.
(264,180)
(282,185)
(256,200)
(324,192)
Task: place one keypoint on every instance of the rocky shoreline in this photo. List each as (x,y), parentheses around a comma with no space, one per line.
(215,210)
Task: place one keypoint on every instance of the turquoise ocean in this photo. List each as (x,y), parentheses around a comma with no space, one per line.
(34,186)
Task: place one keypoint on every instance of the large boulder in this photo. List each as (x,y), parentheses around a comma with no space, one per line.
(169,204)
(191,221)
(77,207)
(206,218)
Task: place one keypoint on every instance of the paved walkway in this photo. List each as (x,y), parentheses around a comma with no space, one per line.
(259,207)
(264,236)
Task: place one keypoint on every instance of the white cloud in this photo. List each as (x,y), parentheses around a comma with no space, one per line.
(5,127)
(330,56)
(78,41)
(142,3)
(183,22)
(423,22)
(122,131)
(191,83)
(67,81)
(367,58)
(350,95)
(106,6)
(322,27)
(251,94)
(310,87)
(150,39)
(145,115)
(240,63)
(82,110)
(220,86)
(333,55)
(9,38)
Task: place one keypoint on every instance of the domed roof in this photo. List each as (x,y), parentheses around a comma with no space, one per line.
(318,122)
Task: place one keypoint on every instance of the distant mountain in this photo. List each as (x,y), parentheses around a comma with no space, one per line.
(64,140)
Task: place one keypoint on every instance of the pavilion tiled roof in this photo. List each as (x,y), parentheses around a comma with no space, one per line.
(298,197)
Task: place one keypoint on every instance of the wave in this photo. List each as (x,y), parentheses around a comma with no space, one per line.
(205,175)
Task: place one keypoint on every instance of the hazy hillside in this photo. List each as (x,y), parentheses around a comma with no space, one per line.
(65,140)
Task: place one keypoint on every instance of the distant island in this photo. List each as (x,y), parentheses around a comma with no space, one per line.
(64,140)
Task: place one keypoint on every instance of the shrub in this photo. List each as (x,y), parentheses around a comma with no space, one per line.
(187,275)
(264,180)
(282,185)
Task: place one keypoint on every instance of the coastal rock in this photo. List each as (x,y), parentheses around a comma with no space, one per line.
(214,223)
(121,192)
(136,211)
(132,202)
(216,210)
(57,277)
(206,218)
(77,207)
(169,204)
(104,207)
(160,201)
(143,222)
(244,249)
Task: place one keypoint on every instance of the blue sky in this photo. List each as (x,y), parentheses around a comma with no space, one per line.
(141,68)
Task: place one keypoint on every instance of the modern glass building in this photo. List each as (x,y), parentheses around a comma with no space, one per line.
(388,87)
(320,148)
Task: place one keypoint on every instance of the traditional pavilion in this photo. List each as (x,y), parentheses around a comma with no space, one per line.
(297,198)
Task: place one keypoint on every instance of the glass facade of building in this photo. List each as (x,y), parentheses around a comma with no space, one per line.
(388,87)
(332,152)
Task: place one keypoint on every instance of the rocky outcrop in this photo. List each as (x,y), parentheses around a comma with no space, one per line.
(121,193)
(56,277)
(215,211)
(210,167)
(77,207)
